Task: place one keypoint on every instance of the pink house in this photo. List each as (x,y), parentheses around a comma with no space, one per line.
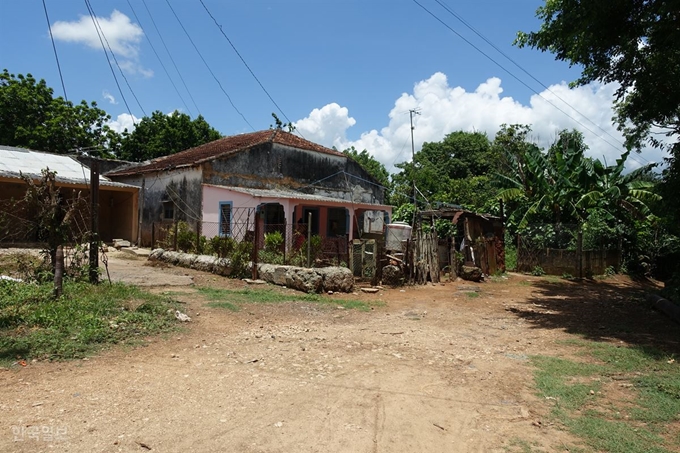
(218,187)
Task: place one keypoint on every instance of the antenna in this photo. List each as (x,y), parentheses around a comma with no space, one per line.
(412,112)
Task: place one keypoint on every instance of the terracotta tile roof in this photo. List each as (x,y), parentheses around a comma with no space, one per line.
(222,147)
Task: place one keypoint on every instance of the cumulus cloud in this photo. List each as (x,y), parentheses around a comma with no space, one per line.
(444,108)
(123,36)
(109,97)
(124,121)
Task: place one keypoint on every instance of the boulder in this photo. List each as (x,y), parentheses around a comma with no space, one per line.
(336,279)
(171,257)
(274,273)
(185,259)
(156,255)
(471,273)
(205,263)
(307,280)
(392,275)
(221,266)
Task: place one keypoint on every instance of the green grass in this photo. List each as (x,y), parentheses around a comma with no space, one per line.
(472,295)
(647,422)
(84,319)
(232,299)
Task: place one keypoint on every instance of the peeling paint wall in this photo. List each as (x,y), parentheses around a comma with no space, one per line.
(271,166)
(179,187)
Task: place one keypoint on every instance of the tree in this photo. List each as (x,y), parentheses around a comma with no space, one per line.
(635,43)
(460,160)
(30,116)
(161,135)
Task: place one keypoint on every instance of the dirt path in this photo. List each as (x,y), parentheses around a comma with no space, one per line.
(434,369)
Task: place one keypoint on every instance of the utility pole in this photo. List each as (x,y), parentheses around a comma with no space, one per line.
(413,162)
(94,221)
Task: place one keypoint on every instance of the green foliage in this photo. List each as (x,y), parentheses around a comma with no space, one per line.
(186,238)
(273,248)
(537,271)
(161,135)
(454,170)
(222,246)
(83,320)
(404,213)
(31,117)
(444,228)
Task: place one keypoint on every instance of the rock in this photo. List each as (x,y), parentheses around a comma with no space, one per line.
(221,266)
(205,263)
(118,243)
(272,273)
(471,273)
(156,255)
(185,259)
(370,290)
(336,279)
(254,282)
(392,276)
(182,316)
(171,257)
(303,279)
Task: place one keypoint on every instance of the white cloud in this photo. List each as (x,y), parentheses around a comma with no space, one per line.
(123,36)
(109,97)
(444,109)
(124,121)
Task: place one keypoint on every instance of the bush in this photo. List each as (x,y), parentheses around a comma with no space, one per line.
(538,271)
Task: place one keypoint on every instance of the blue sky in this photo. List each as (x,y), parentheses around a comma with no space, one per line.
(346,72)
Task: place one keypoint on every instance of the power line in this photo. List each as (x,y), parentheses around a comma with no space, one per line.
(244,62)
(513,75)
(478,33)
(159,59)
(208,66)
(54,47)
(98,29)
(87,4)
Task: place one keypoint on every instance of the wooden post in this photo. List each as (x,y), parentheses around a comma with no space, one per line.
(579,253)
(141,214)
(256,245)
(94,222)
(309,239)
(198,237)
(59,272)
(174,241)
(153,235)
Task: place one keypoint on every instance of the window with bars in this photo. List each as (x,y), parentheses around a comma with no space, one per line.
(225,218)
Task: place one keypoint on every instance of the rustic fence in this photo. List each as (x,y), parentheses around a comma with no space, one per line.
(563,250)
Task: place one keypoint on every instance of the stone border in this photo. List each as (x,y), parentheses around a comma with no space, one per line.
(336,279)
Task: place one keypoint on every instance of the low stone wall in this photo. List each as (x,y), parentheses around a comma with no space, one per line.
(336,279)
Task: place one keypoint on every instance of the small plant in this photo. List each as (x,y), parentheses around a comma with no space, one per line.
(567,276)
(222,246)
(538,271)
(610,271)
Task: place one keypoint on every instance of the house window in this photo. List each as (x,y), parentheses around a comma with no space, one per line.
(225,218)
(168,210)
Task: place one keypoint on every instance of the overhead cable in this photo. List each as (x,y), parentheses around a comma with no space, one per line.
(54,47)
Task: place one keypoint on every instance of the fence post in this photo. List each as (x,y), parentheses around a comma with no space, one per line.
(198,237)
(256,243)
(153,235)
(94,219)
(579,253)
(309,239)
(174,240)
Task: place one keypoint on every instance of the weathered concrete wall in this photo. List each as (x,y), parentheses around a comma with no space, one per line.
(181,186)
(271,166)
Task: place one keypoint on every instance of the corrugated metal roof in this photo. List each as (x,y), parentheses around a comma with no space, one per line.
(282,193)
(16,161)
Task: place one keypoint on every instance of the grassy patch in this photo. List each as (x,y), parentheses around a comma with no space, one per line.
(646,421)
(231,299)
(472,295)
(86,317)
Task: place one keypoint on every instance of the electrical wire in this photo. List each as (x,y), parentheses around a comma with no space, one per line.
(478,33)
(208,66)
(245,64)
(513,75)
(169,55)
(159,59)
(54,47)
(114,57)
(94,22)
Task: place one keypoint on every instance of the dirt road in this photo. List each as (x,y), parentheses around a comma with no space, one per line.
(434,369)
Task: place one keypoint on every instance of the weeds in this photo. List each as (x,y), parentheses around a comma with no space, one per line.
(232,299)
(85,318)
(649,424)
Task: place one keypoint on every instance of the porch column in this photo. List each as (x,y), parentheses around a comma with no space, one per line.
(288,210)
(352,222)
